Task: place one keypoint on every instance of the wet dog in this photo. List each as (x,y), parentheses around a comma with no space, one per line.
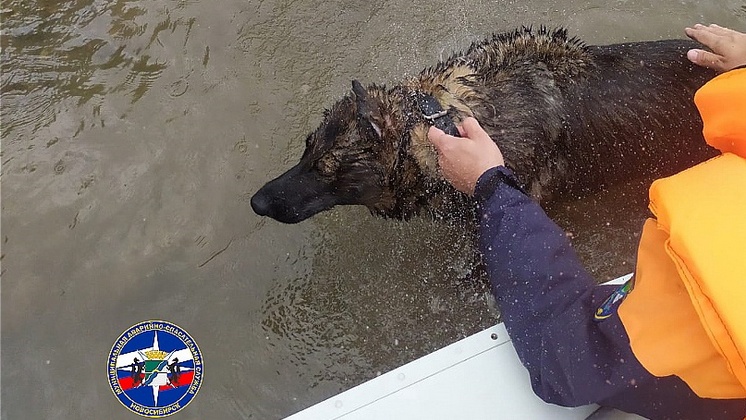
(569,118)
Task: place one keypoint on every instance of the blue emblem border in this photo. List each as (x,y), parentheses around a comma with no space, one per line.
(140,328)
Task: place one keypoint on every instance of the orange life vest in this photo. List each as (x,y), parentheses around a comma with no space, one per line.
(687,313)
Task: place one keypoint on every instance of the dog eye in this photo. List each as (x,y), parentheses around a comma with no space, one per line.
(327,165)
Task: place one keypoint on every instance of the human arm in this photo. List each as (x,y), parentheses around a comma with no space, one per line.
(546,298)
(547,301)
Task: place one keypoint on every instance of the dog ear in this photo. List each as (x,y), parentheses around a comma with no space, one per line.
(366,109)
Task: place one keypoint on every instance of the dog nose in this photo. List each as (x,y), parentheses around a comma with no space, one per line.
(260,204)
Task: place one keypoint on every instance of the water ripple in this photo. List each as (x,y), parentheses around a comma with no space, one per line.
(57,55)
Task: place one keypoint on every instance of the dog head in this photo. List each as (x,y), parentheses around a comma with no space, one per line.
(355,156)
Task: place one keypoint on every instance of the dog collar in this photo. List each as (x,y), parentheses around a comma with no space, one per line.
(434,114)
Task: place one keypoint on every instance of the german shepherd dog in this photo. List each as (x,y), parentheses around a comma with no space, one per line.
(569,118)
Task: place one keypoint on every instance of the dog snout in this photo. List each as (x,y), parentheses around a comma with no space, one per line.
(294,196)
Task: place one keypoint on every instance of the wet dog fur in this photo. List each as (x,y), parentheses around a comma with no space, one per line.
(570,119)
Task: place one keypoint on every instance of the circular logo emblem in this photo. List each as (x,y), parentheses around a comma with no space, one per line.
(155,368)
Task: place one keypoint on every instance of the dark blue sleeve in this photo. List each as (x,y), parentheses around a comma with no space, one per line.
(547,299)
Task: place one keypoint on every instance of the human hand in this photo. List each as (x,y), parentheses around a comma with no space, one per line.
(728,47)
(463,160)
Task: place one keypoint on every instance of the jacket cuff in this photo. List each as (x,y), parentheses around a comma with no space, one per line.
(491,178)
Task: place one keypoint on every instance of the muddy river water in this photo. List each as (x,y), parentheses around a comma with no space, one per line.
(133,136)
